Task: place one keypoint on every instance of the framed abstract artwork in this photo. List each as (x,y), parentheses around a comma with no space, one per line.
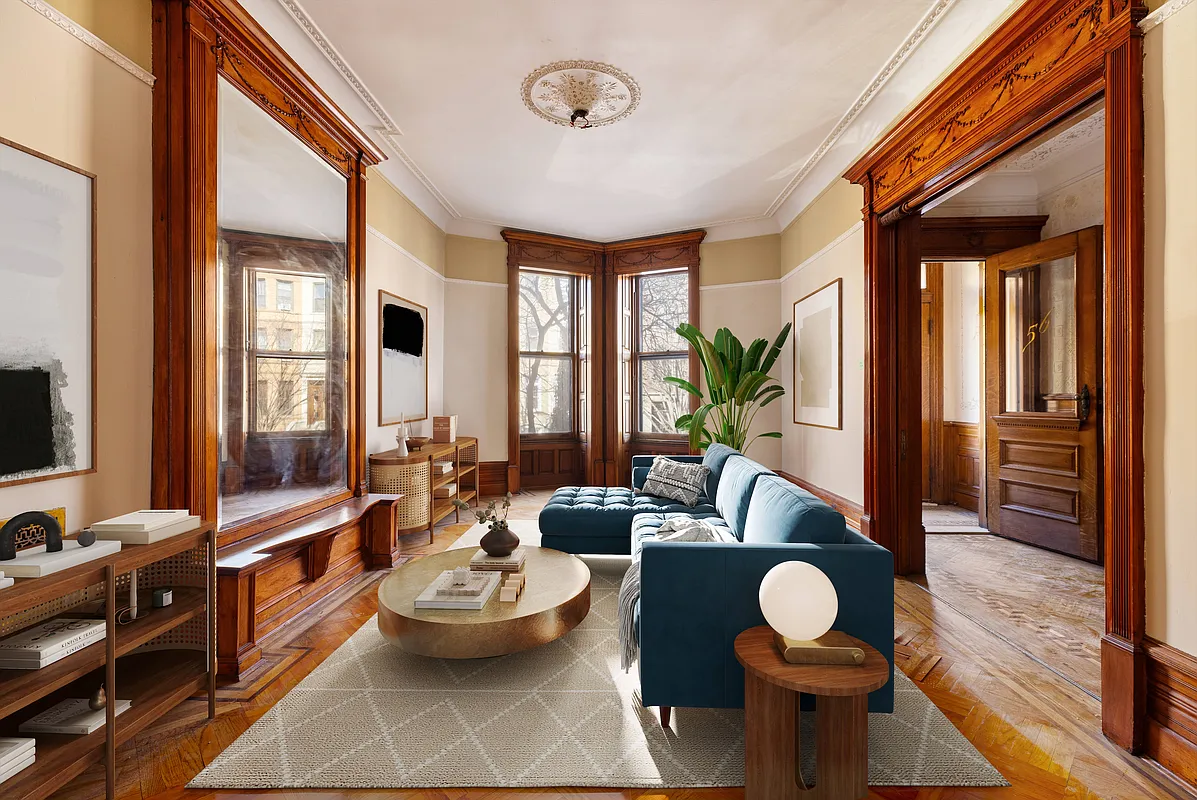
(402,360)
(818,357)
(47,317)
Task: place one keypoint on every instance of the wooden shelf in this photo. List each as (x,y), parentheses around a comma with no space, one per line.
(157,682)
(442,509)
(447,478)
(22,687)
(467,495)
(188,604)
(465,469)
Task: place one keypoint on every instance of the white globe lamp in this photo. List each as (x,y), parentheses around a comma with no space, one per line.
(800,604)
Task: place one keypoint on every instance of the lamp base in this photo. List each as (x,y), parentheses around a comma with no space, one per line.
(832,647)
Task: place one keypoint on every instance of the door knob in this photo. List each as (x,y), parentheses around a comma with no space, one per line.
(1084,402)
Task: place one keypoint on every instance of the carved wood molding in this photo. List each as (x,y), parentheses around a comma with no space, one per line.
(1048,48)
(976,237)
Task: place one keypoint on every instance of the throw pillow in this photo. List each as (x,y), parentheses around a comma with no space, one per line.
(676,481)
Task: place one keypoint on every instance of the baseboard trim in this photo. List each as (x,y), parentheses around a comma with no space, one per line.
(852,511)
(492,478)
(1171,735)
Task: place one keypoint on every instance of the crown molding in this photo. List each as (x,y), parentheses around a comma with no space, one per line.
(387,130)
(908,46)
(1164,12)
(109,52)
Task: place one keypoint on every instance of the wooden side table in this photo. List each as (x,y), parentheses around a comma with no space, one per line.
(773,690)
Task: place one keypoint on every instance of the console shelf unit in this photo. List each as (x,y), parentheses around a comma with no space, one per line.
(156,661)
(413,476)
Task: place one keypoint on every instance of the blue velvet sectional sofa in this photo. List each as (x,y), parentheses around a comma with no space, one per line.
(696,597)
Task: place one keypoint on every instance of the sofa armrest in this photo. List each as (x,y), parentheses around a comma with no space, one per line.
(641,465)
(695,598)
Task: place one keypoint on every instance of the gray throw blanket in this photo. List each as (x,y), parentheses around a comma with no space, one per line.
(680,529)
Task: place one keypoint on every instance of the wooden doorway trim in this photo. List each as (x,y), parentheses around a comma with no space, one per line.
(1044,63)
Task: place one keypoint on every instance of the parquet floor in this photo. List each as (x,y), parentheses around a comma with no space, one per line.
(1041,731)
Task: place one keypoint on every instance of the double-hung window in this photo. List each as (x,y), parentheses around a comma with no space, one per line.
(548,357)
(659,302)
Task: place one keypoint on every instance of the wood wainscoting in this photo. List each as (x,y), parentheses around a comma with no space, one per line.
(549,463)
(962,463)
(1171,735)
(492,478)
(850,509)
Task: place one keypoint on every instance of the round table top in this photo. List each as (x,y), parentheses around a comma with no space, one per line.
(759,655)
(554,578)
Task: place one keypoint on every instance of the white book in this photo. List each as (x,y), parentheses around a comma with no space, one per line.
(144,521)
(34,562)
(24,662)
(187,523)
(429,599)
(70,717)
(48,638)
(510,563)
(442,466)
(8,772)
(13,750)
(446,491)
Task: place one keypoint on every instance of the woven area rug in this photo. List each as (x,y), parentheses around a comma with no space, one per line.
(372,716)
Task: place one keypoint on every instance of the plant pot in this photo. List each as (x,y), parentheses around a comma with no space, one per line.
(500,542)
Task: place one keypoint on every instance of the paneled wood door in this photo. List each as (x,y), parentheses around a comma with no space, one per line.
(1043,378)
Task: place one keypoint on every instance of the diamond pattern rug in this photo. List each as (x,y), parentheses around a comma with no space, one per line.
(372,716)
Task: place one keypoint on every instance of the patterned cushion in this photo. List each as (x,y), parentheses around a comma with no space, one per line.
(645,526)
(676,481)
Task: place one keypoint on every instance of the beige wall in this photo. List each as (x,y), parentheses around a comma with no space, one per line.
(826,242)
(122,24)
(395,271)
(390,213)
(962,283)
(470,259)
(739,260)
(64,99)
(832,213)
(1171,328)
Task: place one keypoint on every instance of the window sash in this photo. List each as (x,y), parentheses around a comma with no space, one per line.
(637,357)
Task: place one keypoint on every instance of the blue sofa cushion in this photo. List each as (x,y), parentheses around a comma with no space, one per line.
(738,476)
(714,459)
(645,526)
(608,511)
(781,512)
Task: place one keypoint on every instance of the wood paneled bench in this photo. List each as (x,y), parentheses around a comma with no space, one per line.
(268,579)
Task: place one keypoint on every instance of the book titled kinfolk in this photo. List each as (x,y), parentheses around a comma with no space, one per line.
(146,527)
(72,717)
(50,641)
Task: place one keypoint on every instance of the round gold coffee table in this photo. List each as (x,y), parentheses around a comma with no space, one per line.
(555,600)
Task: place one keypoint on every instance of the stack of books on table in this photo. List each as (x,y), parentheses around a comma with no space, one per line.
(472,596)
(49,641)
(442,467)
(512,563)
(73,717)
(15,755)
(146,527)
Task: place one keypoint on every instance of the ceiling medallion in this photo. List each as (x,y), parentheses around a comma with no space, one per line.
(580,94)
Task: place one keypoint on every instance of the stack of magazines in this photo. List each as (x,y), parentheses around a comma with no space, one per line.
(15,755)
(146,527)
(49,641)
(72,717)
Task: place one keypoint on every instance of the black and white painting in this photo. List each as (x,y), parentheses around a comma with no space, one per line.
(818,350)
(403,368)
(47,227)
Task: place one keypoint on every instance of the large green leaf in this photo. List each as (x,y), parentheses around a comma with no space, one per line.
(752,356)
(771,394)
(749,385)
(698,425)
(685,384)
(775,351)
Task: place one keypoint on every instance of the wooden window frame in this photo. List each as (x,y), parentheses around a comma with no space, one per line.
(1062,56)
(196,43)
(572,355)
(639,356)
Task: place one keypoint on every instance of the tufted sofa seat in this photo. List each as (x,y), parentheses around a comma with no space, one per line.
(598,519)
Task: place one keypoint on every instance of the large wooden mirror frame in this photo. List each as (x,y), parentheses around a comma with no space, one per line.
(1045,62)
(195,43)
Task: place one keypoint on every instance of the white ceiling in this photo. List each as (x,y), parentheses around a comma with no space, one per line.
(748,111)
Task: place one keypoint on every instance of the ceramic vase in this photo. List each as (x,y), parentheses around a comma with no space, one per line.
(499,541)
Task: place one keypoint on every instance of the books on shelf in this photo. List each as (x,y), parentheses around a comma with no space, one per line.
(442,467)
(72,717)
(513,563)
(34,562)
(446,491)
(15,755)
(146,526)
(431,599)
(49,641)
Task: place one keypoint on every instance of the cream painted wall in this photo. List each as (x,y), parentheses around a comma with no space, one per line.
(962,341)
(124,25)
(397,272)
(390,213)
(476,363)
(73,104)
(1170,446)
(823,243)
(467,258)
(757,258)
(1078,205)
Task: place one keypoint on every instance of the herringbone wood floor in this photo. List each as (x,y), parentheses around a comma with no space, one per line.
(1042,732)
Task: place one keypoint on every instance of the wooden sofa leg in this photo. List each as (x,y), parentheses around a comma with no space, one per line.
(665,711)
